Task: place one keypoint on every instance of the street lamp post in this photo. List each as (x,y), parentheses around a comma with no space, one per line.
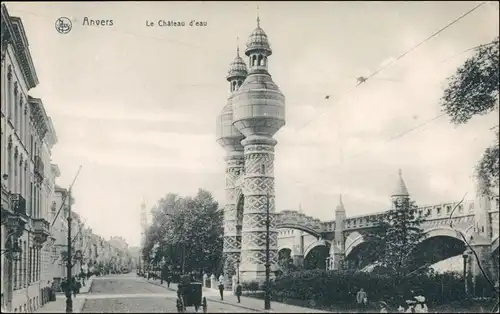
(267,298)
(465,256)
(69,301)
(238,271)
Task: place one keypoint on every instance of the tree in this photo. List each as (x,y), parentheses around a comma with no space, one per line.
(472,91)
(396,238)
(188,232)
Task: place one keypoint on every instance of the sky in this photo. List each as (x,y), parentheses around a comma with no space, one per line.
(136,106)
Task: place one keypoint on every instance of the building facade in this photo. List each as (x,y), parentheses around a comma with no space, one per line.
(27,139)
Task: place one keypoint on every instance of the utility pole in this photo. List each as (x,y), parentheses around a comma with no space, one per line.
(69,301)
(267,298)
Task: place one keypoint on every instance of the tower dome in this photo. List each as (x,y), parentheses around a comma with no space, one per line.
(258,105)
(258,41)
(237,68)
(227,135)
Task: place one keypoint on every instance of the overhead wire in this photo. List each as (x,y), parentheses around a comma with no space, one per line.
(365,79)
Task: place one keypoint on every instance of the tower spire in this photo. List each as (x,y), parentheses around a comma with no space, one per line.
(400,189)
(340,206)
(258,18)
(237,46)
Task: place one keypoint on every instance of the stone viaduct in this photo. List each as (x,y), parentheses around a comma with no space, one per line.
(313,243)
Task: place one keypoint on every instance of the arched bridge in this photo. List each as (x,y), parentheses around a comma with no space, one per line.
(300,234)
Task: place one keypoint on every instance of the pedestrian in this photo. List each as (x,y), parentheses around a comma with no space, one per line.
(169,279)
(221,287)
(362,299)
(73,286)
(180,301)
(421,307)
(238,291)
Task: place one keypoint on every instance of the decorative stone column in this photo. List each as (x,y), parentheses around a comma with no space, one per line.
(232,214)
(213,282)
(258,185)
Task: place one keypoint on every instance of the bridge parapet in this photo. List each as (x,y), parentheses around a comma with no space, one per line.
(434,212)
(443,210)
(296,220)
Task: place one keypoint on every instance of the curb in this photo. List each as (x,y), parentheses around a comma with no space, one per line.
(80,308)
(90,287)
(238,305)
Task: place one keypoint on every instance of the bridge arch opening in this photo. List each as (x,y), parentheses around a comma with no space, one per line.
(437,248)
(360,256)
(316,257)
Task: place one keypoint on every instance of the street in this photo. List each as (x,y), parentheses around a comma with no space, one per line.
(132,294)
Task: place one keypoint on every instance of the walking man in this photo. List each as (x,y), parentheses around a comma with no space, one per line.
(238,291)
(361,299)
(221,286)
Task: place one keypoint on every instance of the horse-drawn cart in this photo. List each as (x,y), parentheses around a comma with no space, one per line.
(190,294)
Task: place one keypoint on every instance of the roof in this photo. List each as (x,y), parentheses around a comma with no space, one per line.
(16,36)
(400,189)
(258,41)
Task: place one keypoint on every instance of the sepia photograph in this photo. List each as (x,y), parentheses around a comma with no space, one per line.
(250,156)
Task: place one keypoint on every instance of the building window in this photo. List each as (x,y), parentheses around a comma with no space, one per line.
(9,169)
(30,277)
(438,211)
(448,209)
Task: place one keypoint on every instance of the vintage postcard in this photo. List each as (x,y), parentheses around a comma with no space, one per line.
(240,156)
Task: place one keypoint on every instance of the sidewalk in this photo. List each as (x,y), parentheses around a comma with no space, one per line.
(258,304)
(247,303)
(59,305)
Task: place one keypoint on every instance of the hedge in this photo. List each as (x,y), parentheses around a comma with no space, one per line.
(336,287)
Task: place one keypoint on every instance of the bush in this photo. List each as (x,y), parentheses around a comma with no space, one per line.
(336,287)
(251,286)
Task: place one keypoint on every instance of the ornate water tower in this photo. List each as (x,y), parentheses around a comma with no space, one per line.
(258,113)
(230,139)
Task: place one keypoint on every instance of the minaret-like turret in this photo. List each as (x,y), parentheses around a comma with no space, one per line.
(230,138)
(144,228)
(258,113)
(338,244)
(481,238)
(400,192)
(340,224)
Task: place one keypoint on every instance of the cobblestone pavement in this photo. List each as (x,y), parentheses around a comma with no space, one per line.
(59,305)
(131,294)
(247,304)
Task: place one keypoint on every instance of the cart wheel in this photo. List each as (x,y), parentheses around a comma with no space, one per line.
(204,304)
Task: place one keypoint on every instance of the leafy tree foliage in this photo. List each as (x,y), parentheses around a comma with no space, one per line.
(186,232)
(473,90)
(488,166)
(396,237)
